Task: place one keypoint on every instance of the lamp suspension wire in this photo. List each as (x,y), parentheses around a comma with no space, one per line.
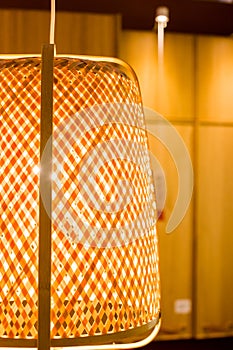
(52,22)
(160,43)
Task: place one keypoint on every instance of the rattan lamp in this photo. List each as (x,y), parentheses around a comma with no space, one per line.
(78,242)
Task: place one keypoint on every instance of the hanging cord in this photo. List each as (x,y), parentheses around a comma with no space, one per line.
(52,22)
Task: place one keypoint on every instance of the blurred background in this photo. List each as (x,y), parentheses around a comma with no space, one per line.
(193,89)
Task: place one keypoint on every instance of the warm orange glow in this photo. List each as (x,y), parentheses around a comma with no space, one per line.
(104,243)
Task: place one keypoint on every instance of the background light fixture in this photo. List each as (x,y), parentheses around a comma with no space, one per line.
(162,15)
(78,240)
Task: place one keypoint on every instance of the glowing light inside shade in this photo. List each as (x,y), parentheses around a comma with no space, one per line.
(72,166)
(36,169)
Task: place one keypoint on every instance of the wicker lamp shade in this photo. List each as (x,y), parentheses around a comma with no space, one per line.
(104,280)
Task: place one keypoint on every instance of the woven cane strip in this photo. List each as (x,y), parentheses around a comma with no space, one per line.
(106,180)
(19,145)
(98,286)
(114,303)
(95,289)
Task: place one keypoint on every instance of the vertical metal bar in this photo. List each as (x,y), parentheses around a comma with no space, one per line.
(45,211)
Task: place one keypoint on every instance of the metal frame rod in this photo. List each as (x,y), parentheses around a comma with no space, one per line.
(45,211)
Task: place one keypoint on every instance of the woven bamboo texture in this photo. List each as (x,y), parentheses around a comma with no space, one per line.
(105,275)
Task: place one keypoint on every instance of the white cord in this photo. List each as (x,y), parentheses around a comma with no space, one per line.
(52,22)
(160,43)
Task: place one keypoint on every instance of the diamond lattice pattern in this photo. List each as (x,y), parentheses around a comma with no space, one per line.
(104,244)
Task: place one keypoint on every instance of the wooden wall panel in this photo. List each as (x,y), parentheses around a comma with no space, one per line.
(215,232)
(193,90)
(168,89)
(138,48)
(214,71)
(175,248)
(178,92)
(75,33)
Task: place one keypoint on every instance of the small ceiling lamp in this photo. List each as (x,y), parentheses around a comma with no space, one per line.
(78,241)
(162,18)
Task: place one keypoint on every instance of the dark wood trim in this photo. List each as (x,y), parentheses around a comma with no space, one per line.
(192,344)
(186,16)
